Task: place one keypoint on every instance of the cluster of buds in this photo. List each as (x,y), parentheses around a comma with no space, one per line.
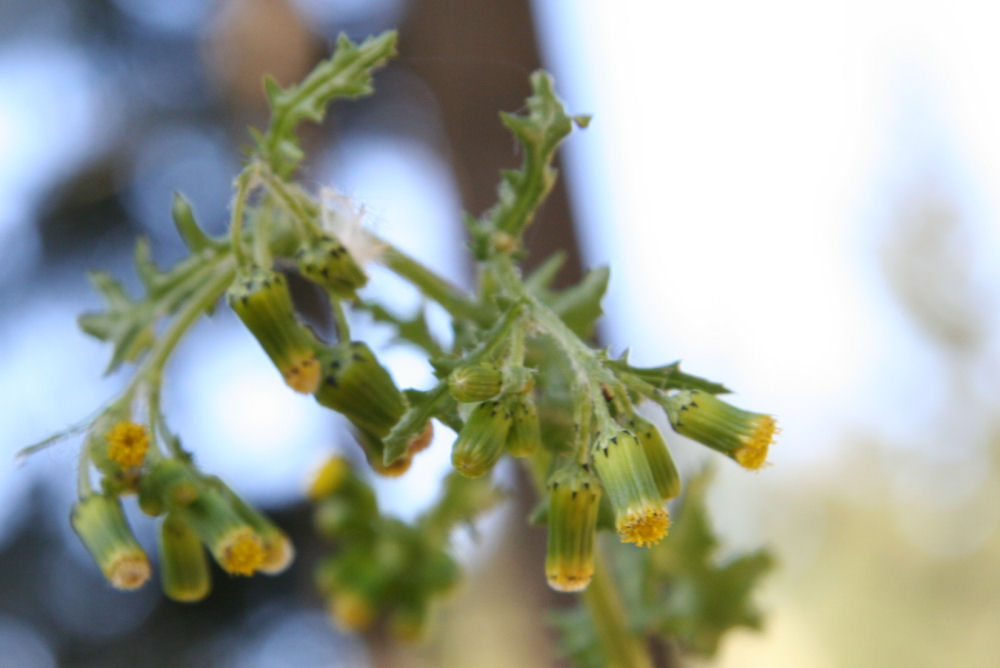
(198,512)
(384,571)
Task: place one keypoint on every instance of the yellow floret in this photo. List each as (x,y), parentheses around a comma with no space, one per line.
(242,552)
(566,580)
(755,445)
(645,525)
(127,444)
(328,478)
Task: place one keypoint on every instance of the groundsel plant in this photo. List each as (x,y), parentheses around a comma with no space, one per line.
(519,380)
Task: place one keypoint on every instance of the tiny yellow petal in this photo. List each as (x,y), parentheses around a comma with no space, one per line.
(753,454)
(644,526)
(129,570)
(242,552)
(302,375)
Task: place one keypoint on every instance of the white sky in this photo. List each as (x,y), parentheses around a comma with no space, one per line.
(743,158)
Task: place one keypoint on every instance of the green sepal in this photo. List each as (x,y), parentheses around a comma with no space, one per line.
(185,575)
(328,263)
(422,407)
(661,464)
(278,549)
(481,441)
(573,494)
(263,302)
(525,435)
(355,384)
(168,483)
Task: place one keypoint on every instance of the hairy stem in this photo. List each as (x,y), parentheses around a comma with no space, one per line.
(622,648)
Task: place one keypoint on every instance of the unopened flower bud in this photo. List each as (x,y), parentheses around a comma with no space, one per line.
(261,299)
(742,435)
(355,384)
(525,435)
(475,382)
(328,263)
(640,514)
(480,442)
(100,523)
(184,572)
(661,464)
(574,495)
(168,483)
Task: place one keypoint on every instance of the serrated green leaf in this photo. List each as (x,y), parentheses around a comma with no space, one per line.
(346,74)
(522,191)
(667,377)
(541,278)
(580,306)
(194,238)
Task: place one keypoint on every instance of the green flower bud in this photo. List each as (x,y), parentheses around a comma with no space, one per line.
(184,571)
(100,523)
(525,434)
(640,515)
(480,442)
(261,299)
(355,384)
(374,447)
(230,538)
(328,263)
(574,495)
(742,435)
(475,382)
(661,464)
(168,483)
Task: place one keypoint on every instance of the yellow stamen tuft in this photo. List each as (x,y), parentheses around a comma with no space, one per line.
(303,374)
(127,444)
(644,526)
(242,553)
(129,570)
(755,445)
(328,478)
(570,581)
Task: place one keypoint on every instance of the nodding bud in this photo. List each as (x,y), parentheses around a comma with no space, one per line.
(261,299)
(328,263)
(472,383)
(574,495)
(640,514)
(169,483)
(278,550)
(100,523)
(742,435)
(525,435)
(481,440)
(661,464)
(355,384)
(184,572)
(374,449)
(231,539)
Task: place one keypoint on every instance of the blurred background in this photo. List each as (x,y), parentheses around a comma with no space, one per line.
(797,199)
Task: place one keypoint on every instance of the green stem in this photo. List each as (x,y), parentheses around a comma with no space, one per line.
(340,318)
(622,648)
(307,224)
(433,286)
(83,485)
(236,224)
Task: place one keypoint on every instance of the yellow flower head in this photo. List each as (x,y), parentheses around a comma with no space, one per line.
(242,552)
(128,569)
(127,444)
(744,436)
(753,453)
(644,525)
